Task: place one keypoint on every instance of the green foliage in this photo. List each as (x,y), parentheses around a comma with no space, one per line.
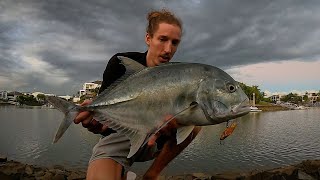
(29,100)
(293,98)
(268,100)
(305,98)
(41,97)
(249,90)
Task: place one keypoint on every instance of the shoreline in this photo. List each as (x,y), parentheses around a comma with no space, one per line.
(10,170)
(266,108)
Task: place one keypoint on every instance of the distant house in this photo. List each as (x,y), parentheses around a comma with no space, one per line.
(275,98)
(312,96)
(89,87)
(4,95)
(12,96)
(75,99)
(26,93)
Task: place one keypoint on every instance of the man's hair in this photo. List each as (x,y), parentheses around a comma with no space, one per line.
(163,16)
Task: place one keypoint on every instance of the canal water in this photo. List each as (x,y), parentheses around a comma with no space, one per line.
(262,140)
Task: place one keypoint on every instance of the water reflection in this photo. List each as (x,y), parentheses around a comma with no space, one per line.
(261,140)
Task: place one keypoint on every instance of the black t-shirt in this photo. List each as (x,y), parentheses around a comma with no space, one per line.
(115,70)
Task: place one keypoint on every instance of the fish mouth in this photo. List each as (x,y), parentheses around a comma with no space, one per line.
(231,113)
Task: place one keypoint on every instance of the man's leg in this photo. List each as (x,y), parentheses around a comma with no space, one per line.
(109,156)
(169,151)
(104,169)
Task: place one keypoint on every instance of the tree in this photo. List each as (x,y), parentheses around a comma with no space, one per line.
(41,97)
(293,98)
(249,90)
(29,100)
(305,98)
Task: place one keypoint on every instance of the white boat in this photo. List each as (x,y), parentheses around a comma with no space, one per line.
(300,108)
(254,109)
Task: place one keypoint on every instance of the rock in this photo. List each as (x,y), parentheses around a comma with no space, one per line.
(200,176)
(29,170)
(59,167)
(57,171)
(39,173)
(3,158)
(59,177)
(12,167)
(311,167)
(304,176)
(77,175)
(48,175)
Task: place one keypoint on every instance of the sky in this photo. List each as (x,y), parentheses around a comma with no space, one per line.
(55,46)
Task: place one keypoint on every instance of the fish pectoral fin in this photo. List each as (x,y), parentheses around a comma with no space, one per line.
(179,114)
(183,133)
(136,142)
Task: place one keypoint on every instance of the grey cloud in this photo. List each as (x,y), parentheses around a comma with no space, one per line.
(78,37)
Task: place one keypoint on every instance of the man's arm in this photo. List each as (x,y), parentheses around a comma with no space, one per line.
(170,149)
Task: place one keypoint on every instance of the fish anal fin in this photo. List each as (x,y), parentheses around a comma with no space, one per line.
(183,132)
(136,142)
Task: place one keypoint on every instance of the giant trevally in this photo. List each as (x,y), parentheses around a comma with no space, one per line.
(136,104)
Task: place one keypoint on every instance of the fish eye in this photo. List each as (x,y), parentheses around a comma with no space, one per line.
(231,88)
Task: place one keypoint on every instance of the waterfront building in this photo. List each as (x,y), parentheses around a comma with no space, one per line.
(275,98)
(4,95)
(76,99)
(12,96)
(312,96)
(89,87)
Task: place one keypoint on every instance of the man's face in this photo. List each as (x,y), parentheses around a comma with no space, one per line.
(163,44)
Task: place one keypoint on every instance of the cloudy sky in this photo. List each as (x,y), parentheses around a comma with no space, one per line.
(55,46)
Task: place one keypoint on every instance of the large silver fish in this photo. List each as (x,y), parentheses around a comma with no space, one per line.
(136,104)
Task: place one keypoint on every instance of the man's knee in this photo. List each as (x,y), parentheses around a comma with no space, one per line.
(105,168)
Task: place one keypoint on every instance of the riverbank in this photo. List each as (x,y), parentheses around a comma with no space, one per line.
(12,170)
(271,107)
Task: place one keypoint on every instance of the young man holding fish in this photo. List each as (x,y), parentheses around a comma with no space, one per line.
(109,156)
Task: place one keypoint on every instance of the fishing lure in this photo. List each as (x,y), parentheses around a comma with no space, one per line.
(228,131)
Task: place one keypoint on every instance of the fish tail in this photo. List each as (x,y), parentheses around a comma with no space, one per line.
(70,111)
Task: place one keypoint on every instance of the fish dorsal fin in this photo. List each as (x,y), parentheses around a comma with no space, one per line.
(183,132)
(131,65)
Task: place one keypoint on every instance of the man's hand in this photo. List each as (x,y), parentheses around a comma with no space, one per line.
(87,121)
(168,130)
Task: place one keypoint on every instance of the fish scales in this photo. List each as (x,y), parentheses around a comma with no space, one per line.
(195,94)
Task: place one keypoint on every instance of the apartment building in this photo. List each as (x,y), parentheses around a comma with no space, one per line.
(4,95)
(88,87)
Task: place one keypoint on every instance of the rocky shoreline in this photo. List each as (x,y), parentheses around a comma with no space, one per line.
(13,170)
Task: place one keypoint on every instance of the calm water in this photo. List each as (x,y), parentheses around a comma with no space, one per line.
(262,140)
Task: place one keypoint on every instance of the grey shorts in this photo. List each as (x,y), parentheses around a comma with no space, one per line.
(116,146)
